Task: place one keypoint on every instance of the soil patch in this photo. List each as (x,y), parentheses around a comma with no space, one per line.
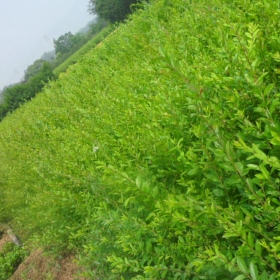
(38,266)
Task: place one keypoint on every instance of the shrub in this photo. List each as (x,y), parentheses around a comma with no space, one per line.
(10,258)
(157,155)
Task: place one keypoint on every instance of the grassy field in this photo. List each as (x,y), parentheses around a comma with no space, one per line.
(157,155)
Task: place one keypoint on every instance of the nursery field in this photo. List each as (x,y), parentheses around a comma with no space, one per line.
(157,155)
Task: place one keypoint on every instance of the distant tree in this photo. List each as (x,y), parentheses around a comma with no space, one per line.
(67,42)
(33,69)
(111,10)
(78,39)
(85,29)
(97,26)
(1,95)
(17,94)
(63,44)
(48,56)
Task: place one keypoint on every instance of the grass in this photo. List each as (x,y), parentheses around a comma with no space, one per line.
(157,155)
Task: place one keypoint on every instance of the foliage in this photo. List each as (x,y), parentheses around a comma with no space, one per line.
(98,38)
(10,258)
(111,10)
(64,43)
(79,42)
(33,69)
(16,95)
(97,26)
(157,155)
(48,56)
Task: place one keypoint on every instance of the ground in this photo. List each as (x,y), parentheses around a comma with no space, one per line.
(38,266)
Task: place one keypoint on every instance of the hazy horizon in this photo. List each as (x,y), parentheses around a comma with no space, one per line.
(28,28)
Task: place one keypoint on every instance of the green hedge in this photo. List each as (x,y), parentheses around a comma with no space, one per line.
(157,156)
(83,50)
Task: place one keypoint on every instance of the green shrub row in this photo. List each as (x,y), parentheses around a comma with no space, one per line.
(157,156)
(83,50)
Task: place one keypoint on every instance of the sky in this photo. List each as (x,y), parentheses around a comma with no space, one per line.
(27,30)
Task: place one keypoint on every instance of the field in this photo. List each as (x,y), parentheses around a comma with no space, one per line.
(157,155)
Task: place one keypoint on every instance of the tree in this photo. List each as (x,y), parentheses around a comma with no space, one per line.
(111,10)
(17,94)
(33,69)
(78,39)
(64,43)
(48,56)
(97,26)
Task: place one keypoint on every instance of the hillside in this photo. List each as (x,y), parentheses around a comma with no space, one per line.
(157,156)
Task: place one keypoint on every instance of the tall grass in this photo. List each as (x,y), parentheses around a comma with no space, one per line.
(157,156)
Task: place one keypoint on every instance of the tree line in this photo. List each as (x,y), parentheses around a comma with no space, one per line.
(112,10)
(40,72)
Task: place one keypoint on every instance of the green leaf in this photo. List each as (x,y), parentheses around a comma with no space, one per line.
(155,192)
(128,201)
(253,166)
(258,153)
(192,171)
(138,182)
(268,89)
(276,238)
(240,277)
(263,276)
(230,234)
(273,105)
(239,167)
(218,192)
(276,138)
(242,265)
(258,248)
(163,274)
(228,148)
(253,271)
(264,171)
(250,240)
(150,216)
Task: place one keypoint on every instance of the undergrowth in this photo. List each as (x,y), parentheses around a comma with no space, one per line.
(10,258)
(157,156)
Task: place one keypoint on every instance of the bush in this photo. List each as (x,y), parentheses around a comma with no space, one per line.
(10,258)
(157,155)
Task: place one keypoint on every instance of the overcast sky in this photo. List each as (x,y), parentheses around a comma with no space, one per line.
(27,30)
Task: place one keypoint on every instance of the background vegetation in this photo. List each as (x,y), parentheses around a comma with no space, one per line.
(15,95)
(157,156)
(68,44)
(111,10)
(99,37)
(68,49)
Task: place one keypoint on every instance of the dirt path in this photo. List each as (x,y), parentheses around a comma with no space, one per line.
(38,266)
